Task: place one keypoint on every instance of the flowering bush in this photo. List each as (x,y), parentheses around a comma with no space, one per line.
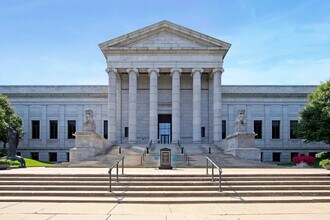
(306,159)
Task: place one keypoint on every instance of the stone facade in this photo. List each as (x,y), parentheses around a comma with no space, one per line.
(161,70)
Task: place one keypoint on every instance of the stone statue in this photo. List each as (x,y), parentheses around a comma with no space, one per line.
(240,122)
(13,140)
(89,124)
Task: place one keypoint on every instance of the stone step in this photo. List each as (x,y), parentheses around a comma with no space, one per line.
(159,179)
(147,188)
(168,200)
(163,183)
(169,194)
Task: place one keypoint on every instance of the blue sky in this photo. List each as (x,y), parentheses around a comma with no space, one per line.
(279,42)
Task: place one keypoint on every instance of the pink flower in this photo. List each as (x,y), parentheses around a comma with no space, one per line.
(306,159)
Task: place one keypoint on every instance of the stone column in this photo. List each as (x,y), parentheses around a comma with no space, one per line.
(197,75)
(175,74)
(132,97)
(217,105)
(112,76)
(153,110)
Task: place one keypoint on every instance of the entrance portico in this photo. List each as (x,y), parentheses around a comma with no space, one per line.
(165,52)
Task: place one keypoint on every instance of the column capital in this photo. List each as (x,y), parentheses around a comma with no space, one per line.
(215,70)
(194,70)
(173,70)
(135,70)
(150,70)
(111,70)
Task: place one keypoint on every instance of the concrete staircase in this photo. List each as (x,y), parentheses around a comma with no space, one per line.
(165,188)
(195,157)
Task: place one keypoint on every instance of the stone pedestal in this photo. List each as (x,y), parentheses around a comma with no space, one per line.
(241,144)
(87,145)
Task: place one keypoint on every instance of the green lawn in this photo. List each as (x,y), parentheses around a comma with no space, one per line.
(32,163)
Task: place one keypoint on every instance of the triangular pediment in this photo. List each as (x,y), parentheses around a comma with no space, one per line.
(165,40)
(164,35)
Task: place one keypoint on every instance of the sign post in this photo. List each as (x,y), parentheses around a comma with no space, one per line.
(165,158)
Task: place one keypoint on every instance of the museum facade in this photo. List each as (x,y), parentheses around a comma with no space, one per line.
(164,86)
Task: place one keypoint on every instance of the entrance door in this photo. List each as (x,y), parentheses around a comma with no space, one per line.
(165,128)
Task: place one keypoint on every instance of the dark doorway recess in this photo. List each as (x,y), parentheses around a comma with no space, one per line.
(165,129)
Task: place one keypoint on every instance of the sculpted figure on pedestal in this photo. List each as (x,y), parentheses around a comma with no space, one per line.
(240,122)
(89,124)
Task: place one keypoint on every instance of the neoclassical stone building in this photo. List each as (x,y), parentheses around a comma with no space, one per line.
(164,86)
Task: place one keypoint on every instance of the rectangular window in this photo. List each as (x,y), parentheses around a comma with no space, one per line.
(293,127)
(105,129)
(275,129)
(258,129)
(312,154)
(68,156)
(35,129)
(276,157)
(262,156)
(126,132)
(35,155)
(53,129)
(52,157)
(203,131)
(224,128)
(294,154)
(18,153)
(71,129)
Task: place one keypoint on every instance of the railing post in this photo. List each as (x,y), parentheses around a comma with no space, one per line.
(110,180)
(212,172)
(207,167)
(220,181)
(122,166)
(117,170)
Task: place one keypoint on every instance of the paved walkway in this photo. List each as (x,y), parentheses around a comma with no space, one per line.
(85,211)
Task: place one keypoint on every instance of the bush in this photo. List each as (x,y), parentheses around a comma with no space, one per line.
(4,162)
(323,155)
(306,159)
(324,162)
(3,152)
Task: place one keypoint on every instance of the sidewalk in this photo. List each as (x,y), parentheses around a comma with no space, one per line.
(85,211)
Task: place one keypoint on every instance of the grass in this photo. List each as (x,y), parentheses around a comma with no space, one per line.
(32,163)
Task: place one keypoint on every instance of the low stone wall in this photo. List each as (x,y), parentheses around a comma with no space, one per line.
(241,144)
(87,145)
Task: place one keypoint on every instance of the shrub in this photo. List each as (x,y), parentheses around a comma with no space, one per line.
(2,161)
(3,152)
(306,159)
(324,162)
(323,155)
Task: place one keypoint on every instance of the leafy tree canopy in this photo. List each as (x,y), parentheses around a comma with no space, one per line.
(8,117)
(314,122)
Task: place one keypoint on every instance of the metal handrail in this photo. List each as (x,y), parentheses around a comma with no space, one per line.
(116,165)
(213,165)
(184,152)
(146,151)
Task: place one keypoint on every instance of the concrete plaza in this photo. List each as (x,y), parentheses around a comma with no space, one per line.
(53,211)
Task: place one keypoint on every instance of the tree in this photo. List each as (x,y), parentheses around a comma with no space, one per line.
(314,122)
(8,117)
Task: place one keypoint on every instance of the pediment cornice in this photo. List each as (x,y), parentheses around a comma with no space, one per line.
(124,43)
